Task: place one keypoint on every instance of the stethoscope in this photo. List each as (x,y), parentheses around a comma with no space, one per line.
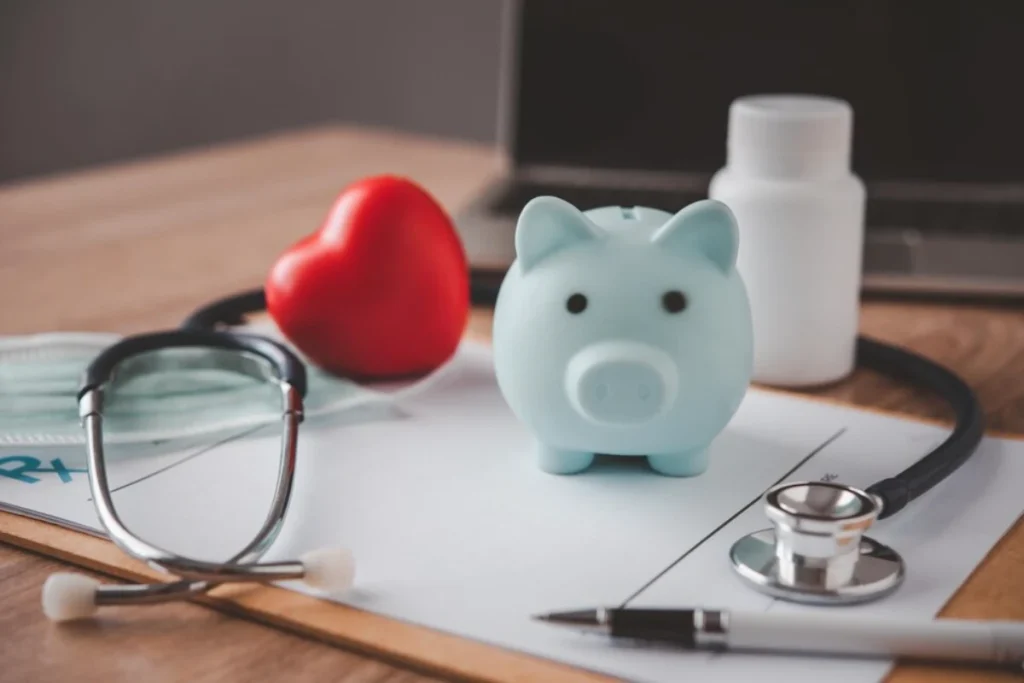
(815,552)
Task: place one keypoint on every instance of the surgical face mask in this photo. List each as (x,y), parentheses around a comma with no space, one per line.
(40,377)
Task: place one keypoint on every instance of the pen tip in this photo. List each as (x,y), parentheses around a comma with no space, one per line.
(586,617)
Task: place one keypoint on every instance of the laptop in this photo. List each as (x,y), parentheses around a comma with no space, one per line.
(626,103)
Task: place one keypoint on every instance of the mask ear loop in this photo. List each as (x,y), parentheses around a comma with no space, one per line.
(73,596)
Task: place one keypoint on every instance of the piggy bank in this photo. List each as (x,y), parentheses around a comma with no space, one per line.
(623,331)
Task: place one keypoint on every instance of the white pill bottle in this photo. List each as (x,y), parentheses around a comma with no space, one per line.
(800,211)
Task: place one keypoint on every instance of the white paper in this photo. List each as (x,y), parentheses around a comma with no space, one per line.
(455,528)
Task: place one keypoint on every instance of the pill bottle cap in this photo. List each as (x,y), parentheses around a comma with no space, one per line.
(789,136)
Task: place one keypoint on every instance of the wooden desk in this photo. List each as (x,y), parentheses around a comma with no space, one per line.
(138,246)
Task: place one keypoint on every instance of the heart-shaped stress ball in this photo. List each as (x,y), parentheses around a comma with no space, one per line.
(381,290)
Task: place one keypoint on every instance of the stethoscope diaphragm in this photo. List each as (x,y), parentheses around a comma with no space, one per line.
(817,552)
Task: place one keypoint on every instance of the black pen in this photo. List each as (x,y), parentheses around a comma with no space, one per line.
(991,642)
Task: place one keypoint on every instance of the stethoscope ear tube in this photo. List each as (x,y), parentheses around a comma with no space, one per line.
(898,491)
(68,596)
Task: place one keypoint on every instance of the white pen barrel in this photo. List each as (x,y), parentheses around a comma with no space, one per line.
(991,641)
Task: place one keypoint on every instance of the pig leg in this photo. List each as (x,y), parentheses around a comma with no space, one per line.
(685,464)
(561,461)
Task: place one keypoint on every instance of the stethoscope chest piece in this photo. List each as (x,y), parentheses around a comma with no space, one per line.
(817,552)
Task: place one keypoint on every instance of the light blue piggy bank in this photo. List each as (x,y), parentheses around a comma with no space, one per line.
(624,331)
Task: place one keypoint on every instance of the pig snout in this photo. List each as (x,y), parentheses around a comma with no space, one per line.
(621,382)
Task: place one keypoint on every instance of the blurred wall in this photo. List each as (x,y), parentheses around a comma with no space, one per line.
(92,81)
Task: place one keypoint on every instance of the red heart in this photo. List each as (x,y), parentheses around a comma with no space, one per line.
(380,290)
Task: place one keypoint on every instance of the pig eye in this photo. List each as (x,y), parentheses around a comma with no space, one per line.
(576,303)
(673,301)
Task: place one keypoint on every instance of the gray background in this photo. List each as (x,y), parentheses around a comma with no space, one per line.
(84,82)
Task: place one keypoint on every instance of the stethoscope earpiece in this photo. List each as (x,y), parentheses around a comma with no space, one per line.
(817,552)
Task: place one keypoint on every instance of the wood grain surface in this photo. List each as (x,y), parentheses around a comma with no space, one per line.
(159,643)
(139,246)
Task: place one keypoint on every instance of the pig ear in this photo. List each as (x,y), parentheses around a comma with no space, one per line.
(705,227)
(548,225)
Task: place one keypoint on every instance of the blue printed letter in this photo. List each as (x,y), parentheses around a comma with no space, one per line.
(26,464)
(63,472)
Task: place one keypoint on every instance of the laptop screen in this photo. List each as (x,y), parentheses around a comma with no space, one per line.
(639,84)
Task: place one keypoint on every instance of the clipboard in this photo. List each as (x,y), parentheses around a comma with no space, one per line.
(345,626)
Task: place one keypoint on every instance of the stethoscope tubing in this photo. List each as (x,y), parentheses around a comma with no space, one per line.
(969,428)
(893,493)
